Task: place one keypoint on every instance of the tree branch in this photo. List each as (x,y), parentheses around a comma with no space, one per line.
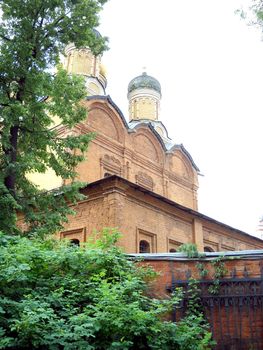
(5,37)
(36,17)
(11,151)
(56,22)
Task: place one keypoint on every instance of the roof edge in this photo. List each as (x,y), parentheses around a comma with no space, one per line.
(169,201)
(113,104)
(188,155)
(239,254)
(151,127)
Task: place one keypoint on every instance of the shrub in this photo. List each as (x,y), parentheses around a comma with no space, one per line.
(58,296)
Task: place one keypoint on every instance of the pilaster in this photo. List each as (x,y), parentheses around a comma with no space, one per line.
(198,238)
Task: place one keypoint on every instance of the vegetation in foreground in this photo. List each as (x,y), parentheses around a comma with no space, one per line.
(33,36)
(58,296)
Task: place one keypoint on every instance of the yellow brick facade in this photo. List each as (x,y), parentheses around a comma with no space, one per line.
(145,106)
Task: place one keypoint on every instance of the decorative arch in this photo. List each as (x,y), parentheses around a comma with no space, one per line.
(181,166)
(146,144)
(106,121)
(160,130)
(110,165)
(144,180)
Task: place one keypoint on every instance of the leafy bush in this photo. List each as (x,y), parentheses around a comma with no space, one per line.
(58,296)
(190,249)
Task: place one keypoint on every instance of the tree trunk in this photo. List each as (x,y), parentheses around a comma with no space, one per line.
(11,154)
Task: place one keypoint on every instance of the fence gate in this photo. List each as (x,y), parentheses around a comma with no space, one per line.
(235,312)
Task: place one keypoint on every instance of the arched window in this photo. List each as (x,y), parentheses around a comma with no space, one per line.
(74,242)
(172,250)
(144,247)
(208,249)
(107,174)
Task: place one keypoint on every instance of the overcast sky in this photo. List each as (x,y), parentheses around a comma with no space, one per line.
(210,66)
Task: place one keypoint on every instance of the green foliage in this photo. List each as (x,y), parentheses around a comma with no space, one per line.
(218,264)
(57,296)
(33,35)
(203,272)
(219,272)
(8,208)
(193,298)
(190,249)
(252,13)
(195,320)
(193,334)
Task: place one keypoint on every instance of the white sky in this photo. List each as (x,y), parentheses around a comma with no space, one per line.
(209,64)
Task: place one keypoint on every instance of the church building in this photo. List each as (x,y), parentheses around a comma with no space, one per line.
(139,181)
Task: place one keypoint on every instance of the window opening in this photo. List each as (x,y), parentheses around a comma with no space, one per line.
(144,247)
(74,242)
(208,249)
(107,174)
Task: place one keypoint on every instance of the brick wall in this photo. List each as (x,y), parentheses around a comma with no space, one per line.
(133,155)
(235,311)
(142,215)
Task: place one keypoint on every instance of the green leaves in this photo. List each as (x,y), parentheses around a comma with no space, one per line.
(190,249)
(57,296)
(33,35)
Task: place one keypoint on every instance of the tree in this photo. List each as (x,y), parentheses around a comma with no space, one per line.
(253,14)
(58,296)
(33,34)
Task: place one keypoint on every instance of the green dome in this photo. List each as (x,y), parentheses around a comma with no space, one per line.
(144,81)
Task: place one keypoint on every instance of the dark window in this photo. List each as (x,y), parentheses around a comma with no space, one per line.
(172,250)
(208,249)
(144,247)
(107,174)
(74,242)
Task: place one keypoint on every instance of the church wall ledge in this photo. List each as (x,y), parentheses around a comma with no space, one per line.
(117,182)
